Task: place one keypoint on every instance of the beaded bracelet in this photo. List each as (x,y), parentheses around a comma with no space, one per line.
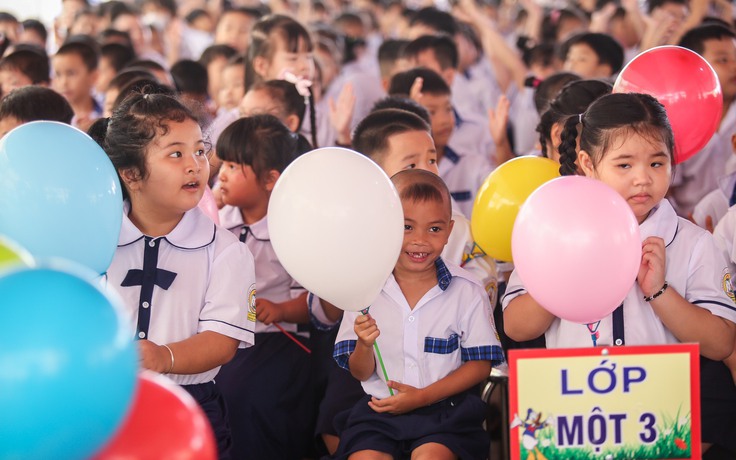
(658,293)
(171,368)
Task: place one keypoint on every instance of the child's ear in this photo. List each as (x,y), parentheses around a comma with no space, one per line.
(131,178)
(586,163)
(271,179)
(292,122)
(260,65)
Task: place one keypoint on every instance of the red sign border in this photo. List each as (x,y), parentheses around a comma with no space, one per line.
(693,349)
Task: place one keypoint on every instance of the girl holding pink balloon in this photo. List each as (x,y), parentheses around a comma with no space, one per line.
(266,387)
(185,282)
(669,290)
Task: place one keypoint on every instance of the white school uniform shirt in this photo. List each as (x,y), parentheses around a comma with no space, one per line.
(273,282)
(451,324)
(697,176)
(472,136)
(463,175)
(460,250)
(204,281)
(524,120)
(716,203)
(695,268)
(725,236)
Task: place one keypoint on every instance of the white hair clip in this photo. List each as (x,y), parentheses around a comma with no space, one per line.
(302,84)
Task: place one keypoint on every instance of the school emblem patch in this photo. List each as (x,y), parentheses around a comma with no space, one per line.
(727,285)
(252,303)
(475,252)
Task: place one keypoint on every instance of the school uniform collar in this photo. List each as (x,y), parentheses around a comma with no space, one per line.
(451,155)
(231,219)
(194,231)
(662,222)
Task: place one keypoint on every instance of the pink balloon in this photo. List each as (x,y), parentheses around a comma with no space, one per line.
(208,205)
(686,85)
(576,247)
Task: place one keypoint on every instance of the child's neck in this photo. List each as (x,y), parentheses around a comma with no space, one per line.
(83,107)
(414,285)
(253,214)
(151,222)
(726,105)
(440,152)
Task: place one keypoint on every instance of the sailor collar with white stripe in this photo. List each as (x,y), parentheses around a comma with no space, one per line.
(194,231)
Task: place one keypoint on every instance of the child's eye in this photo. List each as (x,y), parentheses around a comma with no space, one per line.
(433,161)
(201,152)
(175,154)
(624,166)
(435,229)
(411,166)
(657,164)
(407,227)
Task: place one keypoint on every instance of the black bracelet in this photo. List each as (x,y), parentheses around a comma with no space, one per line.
(658,293)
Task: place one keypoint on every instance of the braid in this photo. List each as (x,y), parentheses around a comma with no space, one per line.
(568,147)
(312,118)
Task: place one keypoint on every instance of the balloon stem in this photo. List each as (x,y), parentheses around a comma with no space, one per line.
(380,359)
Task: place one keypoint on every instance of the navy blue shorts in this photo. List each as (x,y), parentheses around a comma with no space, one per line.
(455,423)
(342,393)
(213,405)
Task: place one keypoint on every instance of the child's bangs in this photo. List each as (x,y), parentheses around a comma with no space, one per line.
(295,38)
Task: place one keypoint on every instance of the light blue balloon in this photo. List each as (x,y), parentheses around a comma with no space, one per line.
(59,194)
(67,365)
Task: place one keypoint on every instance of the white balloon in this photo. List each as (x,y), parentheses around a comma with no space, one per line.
(337,226)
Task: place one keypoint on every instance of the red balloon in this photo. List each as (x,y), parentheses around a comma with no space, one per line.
(164,423)
(686,85)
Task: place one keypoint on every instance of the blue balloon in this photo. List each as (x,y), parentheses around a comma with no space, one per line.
(59,194)
(67,365)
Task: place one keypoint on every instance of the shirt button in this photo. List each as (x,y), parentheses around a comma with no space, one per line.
(619,342)
(411,319)
(142,335)
(152,243)
(145,304)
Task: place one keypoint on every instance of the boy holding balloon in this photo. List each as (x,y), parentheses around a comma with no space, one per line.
(438,343)
(677,290)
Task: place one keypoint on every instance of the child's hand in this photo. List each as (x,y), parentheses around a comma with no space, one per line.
(366,330)
(652,268)
(406,399)
(154,357)
(268,312)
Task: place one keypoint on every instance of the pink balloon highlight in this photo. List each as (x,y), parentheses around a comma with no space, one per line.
(577,248)
(208,205)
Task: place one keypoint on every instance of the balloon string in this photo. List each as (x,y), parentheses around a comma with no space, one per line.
(380,359)
(296,341)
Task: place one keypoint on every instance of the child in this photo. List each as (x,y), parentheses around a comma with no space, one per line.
(75,74)
(113,58)
(680,293)
(187,284)
(234,26)
(463,173)
(437,340)
(572,99)
(593,55)
(232,84)
(278,98)
(25,66)
(31,103)
(266,387)
(215,58)
(281,48)
(396,140)
(190,80)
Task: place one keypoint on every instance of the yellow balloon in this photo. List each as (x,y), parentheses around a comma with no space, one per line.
(11,254)
(500,197)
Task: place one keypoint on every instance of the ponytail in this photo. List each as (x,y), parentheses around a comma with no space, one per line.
(312,118)
(98,131)
(568,146)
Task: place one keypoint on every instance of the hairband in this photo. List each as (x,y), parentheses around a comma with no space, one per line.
(300,83)
(580,118)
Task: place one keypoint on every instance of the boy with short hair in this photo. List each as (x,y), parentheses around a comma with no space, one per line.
(32,103)
(437,338)
(463,173)
(75,74)
(27,65)
(593,55)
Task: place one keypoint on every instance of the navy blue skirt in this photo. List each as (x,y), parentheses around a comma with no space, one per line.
(718,404)
(269,398)
(213,405)
(455,423)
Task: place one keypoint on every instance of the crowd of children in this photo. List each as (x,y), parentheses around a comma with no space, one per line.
(188,94)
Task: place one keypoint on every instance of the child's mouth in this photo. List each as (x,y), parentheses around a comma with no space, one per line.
(418,256)
(191,186)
